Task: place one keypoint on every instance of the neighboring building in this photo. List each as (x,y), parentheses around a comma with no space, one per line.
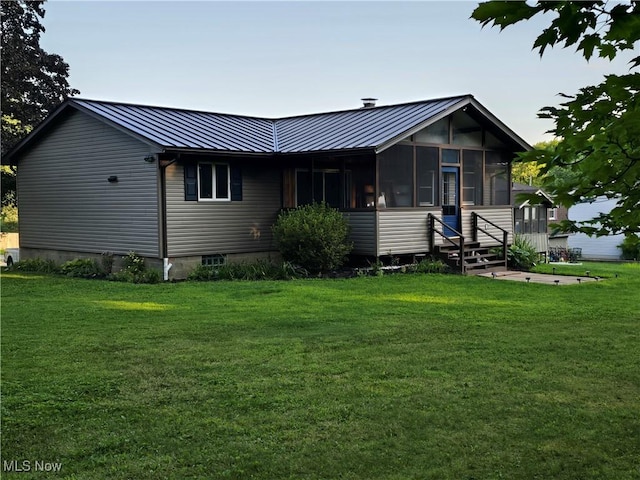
(557,238)
(530,216)
(595,248)
(185,187)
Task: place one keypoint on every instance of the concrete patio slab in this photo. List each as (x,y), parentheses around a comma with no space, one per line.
(548,279)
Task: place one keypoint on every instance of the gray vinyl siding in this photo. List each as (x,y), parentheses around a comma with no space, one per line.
(402,231)
(501,216)
(539,241)
(66,202)
(212,227)
(363,232)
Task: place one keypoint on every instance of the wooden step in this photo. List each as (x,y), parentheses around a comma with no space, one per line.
(449,247)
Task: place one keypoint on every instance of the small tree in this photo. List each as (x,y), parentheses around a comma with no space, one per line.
(314,237)
(598,152)
(630,247)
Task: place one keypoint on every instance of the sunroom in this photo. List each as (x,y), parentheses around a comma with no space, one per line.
(446,178)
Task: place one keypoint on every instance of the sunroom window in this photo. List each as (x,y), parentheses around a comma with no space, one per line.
(496,178)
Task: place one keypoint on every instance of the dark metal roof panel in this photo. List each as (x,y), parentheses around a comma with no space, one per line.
(362,128)
(174,128)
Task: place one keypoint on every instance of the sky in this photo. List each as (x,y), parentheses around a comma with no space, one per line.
(278,59)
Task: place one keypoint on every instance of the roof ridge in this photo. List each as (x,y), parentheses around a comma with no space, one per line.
(273,120)
(160,107)
(379,107)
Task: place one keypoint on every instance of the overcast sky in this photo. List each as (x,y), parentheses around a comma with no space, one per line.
(275,59)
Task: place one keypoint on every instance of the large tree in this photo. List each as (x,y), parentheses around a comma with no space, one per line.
(598,128)
(33,81)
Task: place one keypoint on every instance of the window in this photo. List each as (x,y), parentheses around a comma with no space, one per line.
(530,220)
(465,130)
(209,181)
(496,178)
(542,219)
(427,170)
(553,214)
(213,181)
(216,260)
(519,220)
(435,133)
(396,176)
(323,186)
(471,177)
(450,156)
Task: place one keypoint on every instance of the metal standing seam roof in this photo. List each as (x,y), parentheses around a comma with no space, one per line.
(174,128)
(350,129)
(362,128)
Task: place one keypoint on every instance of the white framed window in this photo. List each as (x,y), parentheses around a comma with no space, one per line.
(553,214)
(214,182)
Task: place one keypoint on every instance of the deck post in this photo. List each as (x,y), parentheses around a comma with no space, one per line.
(505,239)
(431,232)
(474,221)
(462,269)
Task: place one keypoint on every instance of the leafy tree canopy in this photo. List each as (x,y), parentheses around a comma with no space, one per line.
(598,152)
(33,81)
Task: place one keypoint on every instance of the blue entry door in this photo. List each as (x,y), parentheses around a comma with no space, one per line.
(451,199)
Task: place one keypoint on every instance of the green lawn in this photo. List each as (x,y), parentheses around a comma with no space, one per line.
(395,377)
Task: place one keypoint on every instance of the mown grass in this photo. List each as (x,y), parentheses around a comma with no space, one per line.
(398,377)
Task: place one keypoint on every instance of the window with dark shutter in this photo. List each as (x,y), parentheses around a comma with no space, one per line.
(191,182)
(236,184)
(207,181)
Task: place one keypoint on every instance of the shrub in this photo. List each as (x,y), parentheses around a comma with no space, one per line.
(430,265)
(521,254)
(9,214)
(630,247)
(82,267)
(259,270)
(106,261)
(314,237)
(135,271)
(37,265)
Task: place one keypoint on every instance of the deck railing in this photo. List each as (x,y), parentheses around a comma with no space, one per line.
(505,234)
(459,244)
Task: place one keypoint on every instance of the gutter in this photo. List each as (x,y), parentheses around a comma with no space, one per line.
(162,165)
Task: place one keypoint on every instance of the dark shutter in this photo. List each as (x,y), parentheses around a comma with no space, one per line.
(191,182)
(236,183)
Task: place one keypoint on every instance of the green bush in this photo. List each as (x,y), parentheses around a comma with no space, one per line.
(37,265)
(430,265)
(315,237)
(259,270)
(82,267)
(630,247)
(135,271)
(9,214)
(521,254)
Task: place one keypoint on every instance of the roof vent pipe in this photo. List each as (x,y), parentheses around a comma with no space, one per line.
(369,102)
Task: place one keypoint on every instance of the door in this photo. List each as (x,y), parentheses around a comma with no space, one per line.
(451,200)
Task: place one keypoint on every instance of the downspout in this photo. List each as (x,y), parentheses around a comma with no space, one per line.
(166,266)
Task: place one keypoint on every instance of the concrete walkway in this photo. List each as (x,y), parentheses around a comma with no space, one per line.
(538,278)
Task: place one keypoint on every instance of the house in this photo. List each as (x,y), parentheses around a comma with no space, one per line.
(530,215)
(595,248)
(183,187)
(558,239)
